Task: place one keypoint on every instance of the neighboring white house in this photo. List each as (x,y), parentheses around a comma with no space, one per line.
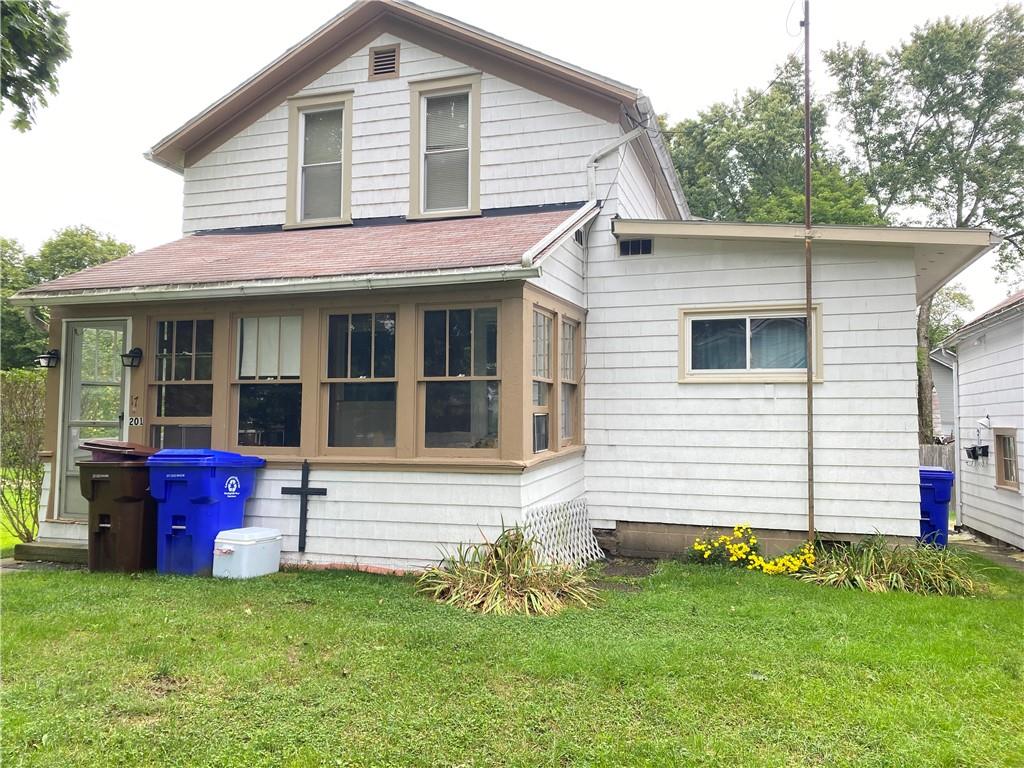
(941,363)
(990,381)
(460,278)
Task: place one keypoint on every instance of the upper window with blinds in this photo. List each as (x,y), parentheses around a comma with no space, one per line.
(446,152)
(319,160)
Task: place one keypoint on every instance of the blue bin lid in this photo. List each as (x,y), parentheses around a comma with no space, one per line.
(927,473)
(202,457)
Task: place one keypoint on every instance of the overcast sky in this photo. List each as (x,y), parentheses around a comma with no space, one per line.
(140,69)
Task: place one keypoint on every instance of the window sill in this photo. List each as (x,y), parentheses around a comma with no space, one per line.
(745,378)
(316,223)
(442,215)
(422,464)
(1010,488)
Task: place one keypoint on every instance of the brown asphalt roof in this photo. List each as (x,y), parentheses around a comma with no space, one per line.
(310,253)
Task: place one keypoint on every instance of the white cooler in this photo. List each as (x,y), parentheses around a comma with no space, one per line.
(243,553)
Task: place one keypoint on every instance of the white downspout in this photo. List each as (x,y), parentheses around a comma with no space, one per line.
(956,437)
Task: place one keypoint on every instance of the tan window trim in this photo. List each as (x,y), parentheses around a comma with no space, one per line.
(576,437)
(152,382)
(998,435)
(402,410)
(551,409)
(371,75)
(417,91)
(234,383)
(422,380)
(686,376)
(296,107)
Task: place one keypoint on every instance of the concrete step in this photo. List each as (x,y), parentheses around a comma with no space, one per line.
(53,551)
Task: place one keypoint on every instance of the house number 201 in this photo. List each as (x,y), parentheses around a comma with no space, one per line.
(135,421)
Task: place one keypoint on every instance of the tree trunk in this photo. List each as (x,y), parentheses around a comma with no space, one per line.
(925,431)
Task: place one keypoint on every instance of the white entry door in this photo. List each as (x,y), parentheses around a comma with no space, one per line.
(93,399)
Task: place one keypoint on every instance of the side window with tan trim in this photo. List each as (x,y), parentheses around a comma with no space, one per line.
(1006,458)
(543,379)
(570,355)
(181,386)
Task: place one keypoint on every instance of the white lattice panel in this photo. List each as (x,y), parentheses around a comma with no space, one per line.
(562,533)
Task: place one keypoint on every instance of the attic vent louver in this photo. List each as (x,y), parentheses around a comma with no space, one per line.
(384,62)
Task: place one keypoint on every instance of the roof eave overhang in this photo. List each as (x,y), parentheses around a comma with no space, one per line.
(288,72)
(983,323)
(277,287)
(958,248)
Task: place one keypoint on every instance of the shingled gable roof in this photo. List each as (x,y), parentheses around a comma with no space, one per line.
(488,248)
(360,24)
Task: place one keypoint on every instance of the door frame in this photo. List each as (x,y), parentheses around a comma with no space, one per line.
(59,474)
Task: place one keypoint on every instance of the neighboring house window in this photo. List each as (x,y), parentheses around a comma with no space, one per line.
(1006,459)
(360,378)
(543,379)
(182,385)
(759,343)
(569,354)
(267,381)
(460,378)
(319,160)
(445,145)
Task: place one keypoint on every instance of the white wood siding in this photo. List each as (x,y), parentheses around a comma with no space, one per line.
(720,454)
(991,381)
(636,198)
(403,519)
(562,273)
(532,148)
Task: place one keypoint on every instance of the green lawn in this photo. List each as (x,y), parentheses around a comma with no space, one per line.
(7,542)
(699,666)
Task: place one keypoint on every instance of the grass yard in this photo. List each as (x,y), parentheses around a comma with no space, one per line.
(699,666)
(7,542)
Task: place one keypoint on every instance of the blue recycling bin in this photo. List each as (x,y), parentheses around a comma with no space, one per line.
(198,493)
(936,491)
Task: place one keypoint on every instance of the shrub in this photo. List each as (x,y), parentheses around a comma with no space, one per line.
(874,565)
(506,577)
(21,481)
(740,548)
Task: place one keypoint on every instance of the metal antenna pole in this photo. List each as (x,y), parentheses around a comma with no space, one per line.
(811,332)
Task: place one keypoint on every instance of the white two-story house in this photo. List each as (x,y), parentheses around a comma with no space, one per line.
(460,278)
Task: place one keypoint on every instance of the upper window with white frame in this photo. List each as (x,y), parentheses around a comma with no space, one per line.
(319,160)
(756,343)
(445,148)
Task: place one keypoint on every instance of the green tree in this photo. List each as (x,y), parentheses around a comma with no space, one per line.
(33,45)
(743,161)
(946,317)
(938,121)
(69,250)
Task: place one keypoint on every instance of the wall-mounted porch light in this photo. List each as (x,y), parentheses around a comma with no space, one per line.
(48,359)
(132,358)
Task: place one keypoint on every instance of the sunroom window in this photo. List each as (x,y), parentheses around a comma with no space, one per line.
(182,386)
(268,388)
(361,383)
(460,378)
(568,352)
(543,379)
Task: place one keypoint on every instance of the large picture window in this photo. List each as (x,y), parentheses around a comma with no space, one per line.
(267,380)
(460,378)
(182,385)
(360,379)
(767,343)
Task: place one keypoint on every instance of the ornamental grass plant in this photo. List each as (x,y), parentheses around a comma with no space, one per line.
(875,565)
(506,576)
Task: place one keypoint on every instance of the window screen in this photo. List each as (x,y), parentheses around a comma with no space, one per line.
(321,164)
(446,152)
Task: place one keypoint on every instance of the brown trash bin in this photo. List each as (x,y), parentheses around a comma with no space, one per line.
(122,515)
(105,449)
